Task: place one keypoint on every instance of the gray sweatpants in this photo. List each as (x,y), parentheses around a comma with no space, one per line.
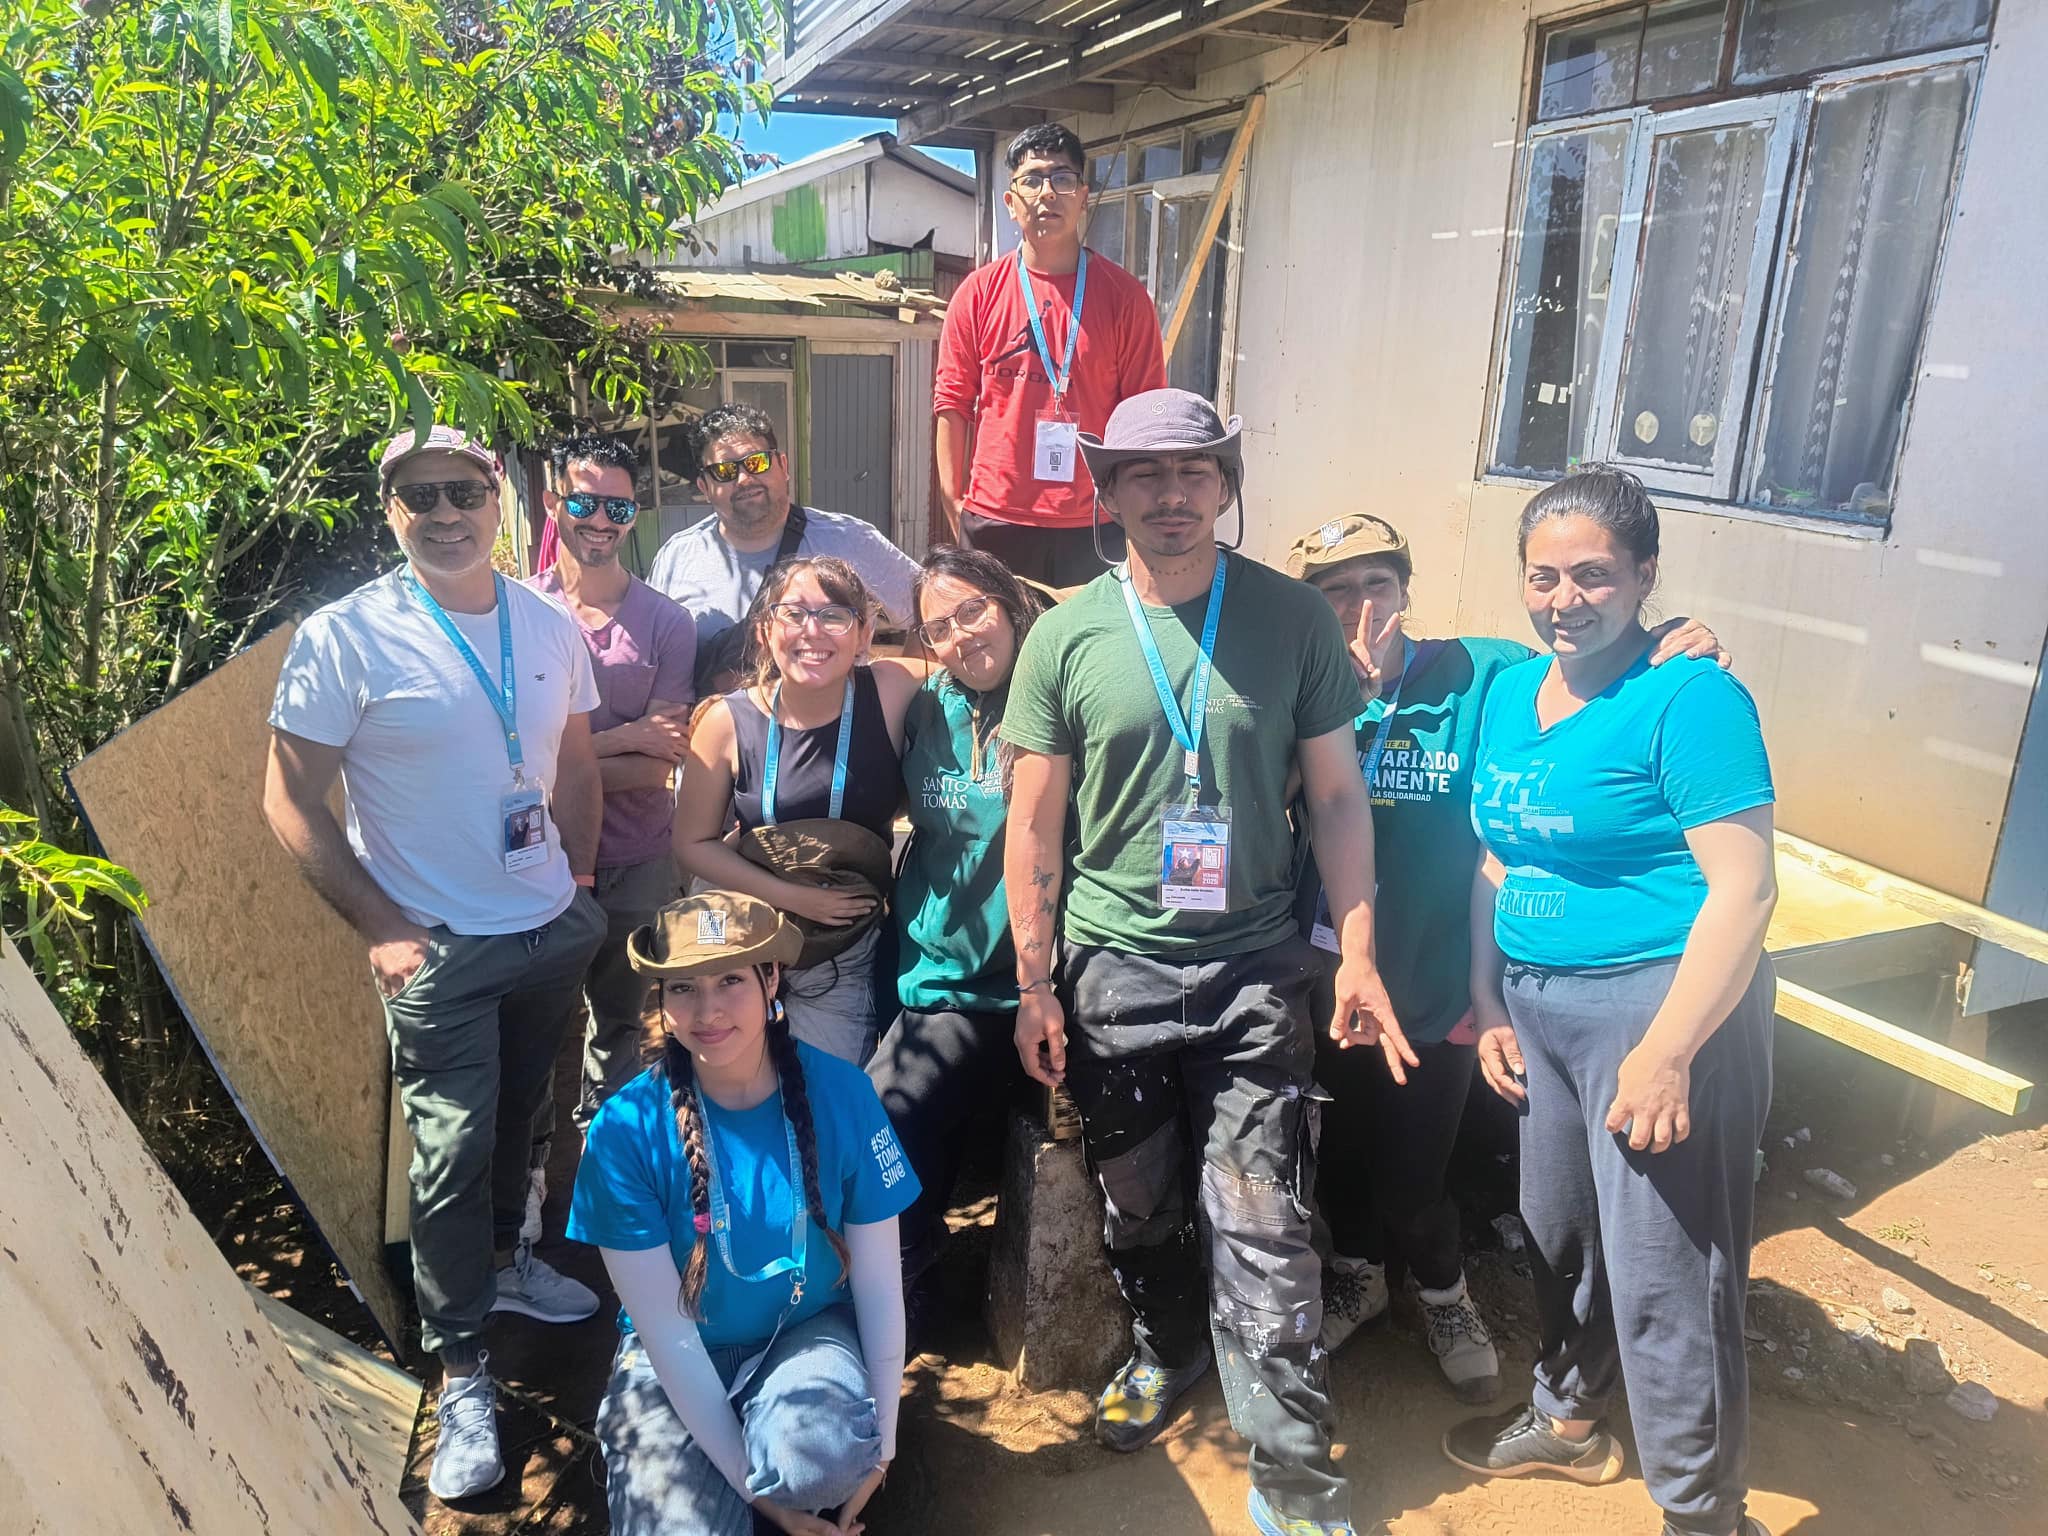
(1641,1259)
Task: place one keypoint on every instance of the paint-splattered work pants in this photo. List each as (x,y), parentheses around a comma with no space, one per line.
(1195,1091)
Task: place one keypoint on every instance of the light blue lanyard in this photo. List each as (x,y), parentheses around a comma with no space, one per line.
(1371,761)
(504,694)
(1057,380)
(721,1212)
(1189,736)
(772,769)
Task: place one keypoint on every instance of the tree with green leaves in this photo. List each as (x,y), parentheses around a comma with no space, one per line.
(242,240)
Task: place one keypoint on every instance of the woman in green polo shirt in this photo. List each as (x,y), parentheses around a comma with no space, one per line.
(1386,1148)
(948,1063)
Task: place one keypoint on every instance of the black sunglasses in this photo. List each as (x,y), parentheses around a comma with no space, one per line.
(422,496)
(620,509)
(725,471)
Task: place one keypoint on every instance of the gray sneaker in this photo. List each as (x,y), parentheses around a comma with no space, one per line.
(532,1287)
(466,1460)
(1461,1342)
(1354,1293)
(1521,1441)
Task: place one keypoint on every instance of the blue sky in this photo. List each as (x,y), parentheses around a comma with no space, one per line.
(792,135)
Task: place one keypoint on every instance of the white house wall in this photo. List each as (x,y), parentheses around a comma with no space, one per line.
(1893,674)
(906,206)
(781,230)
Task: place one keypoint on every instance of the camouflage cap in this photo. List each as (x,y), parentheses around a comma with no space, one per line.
(1344,538)
(711,933)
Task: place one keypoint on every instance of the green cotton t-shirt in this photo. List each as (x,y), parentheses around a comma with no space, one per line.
(1424,846)
(1082,689)
(955,951)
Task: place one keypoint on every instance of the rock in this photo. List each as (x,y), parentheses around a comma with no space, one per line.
(1895,1301)
(2041,1183)
(1792,1195)
(1918,1430)
(1770,1346)
(1924,1370)
(1793,1373)
(1831,1183)
(1509,1225)
(1887,1159)
(1755,1335)
(1946,1467)
(1974,1401)
(1791,1142)
(1803,1134)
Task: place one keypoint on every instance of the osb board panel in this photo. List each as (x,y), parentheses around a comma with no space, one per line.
(144,1391)
(1813,909)
(276,984)
(375,1401)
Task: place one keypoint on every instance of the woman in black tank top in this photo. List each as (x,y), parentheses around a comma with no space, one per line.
(809,627)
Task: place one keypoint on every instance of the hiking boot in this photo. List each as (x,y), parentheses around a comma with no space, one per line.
(1354,1293)
(531,1286)
(1133,1407)
(1521,1442)
(1459,1339)
(1272,1523)
(466,1460)
(1751,1526)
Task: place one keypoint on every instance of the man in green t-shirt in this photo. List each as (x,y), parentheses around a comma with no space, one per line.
(1167,702)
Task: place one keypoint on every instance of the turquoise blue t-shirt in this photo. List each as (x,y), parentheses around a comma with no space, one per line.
(633,1190)
(1590,816)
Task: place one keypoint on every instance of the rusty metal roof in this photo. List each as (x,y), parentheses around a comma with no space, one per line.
(799,290)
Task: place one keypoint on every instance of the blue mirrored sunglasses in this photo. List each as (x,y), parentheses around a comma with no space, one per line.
(620,509)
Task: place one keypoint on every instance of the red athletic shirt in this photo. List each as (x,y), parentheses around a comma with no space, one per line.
(990,371)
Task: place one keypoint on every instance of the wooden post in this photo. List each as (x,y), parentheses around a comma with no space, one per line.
(1212,218)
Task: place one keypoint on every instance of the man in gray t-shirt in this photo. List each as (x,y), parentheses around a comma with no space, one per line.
(714,568)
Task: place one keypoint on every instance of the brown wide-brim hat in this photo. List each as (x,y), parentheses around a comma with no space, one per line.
(1343,538)
(840,855)
(711,933)
(1164,421)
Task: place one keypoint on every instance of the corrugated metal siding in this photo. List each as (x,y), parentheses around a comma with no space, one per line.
(821,220)
(852,448)
(916,478)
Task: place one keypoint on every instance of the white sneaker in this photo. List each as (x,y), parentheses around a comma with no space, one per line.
(536,1197)
(1354,1293)
(466,1459)
(529,1285)
(1461,1342)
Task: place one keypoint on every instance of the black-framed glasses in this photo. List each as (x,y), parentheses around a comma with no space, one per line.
(971,614)
(833,618)
(725,471)
(1063,183)
(620,509)
(422,496)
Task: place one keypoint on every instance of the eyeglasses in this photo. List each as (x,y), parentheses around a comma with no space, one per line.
(971,614)
(620,509)
(833,618)
(725,471)
(422,496)
(1063,183)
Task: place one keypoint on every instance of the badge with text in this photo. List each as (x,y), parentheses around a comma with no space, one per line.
(1057,446)
(523,814)
(1194,867)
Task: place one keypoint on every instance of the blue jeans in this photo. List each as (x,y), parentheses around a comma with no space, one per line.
(806,1419)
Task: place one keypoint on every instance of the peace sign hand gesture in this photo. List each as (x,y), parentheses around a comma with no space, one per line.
(1370,648)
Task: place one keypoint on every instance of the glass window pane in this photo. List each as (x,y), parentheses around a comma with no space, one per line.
(1106,229)
(1156,162)
(760,354)
(1699,229)
(1874,206)
(1107,173)
(1681,49)
(1791,37)
(1590,67)
(1140,263)
(1558,308)
(1196,361)
(1211,149)
(770,396)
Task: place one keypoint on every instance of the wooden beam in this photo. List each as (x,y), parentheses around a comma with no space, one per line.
(869,90)
(1284,29)
(1176,68)
(1389,12)
(986,26)
(2030,943)
(1212,216)
(1922,1058)
(904,58)
(1092,97)
(1932,949)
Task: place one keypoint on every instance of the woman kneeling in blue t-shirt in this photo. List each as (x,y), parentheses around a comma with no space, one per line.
(1619,916)
(718,1185)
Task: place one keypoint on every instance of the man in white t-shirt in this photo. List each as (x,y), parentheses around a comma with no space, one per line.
(454,706)
(715,567)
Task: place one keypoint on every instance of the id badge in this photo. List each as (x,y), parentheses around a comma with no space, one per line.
(523,826)
(1194,869)
(1056,447)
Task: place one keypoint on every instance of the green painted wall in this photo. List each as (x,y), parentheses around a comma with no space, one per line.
(799,225)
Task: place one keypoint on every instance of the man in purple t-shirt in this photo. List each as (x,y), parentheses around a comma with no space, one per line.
(643,647)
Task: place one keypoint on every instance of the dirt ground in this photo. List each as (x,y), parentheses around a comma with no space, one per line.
(1944,1248)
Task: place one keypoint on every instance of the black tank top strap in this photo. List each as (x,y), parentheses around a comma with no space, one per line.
(803,780)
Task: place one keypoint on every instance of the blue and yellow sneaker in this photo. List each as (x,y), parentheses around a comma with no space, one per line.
(1133,1407)
(1272,1523)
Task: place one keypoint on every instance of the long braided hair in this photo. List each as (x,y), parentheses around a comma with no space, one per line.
(796,1105)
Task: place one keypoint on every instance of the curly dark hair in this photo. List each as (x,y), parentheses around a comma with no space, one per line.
(723,420)
(593,448)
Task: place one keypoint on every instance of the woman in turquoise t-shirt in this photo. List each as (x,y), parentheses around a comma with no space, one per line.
(744,1193)
(1625,1006)
(948,1066)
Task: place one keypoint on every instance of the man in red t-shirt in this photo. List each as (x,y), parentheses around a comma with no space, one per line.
(1039,346)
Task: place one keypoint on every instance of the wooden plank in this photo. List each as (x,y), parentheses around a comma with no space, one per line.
(1930,1060)
(1928,950)
(701,320)
(987,26)
(144,1391)
(1212,216)
(2005,932)
(376,1402)
(1812,909)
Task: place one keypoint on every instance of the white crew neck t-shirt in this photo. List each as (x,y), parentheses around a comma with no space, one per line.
(423,759)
